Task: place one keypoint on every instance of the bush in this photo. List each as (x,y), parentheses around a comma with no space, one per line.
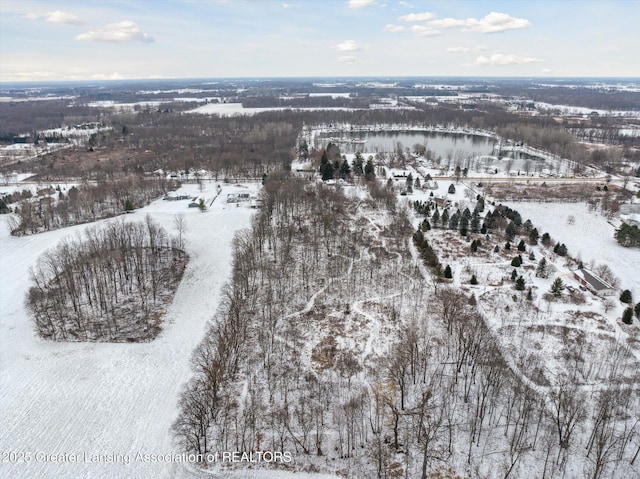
(626,297)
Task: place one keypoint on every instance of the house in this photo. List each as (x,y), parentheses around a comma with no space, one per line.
(176,196)
(238,197)
(594,283)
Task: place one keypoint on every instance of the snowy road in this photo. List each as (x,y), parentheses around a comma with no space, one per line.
(102,404)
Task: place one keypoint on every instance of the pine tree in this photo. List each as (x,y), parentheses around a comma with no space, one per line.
(557,287)
(514,275)
(627,315)
(546,239)
(496,249)
(542,271)
(445,218)
(533,236)
(447,272)
(637,310)
(369,170)
(626,297)
(507,245)
(464,225)
(529,295)
(510,231)
(520,283)
(522,246)
(532,257)
(436,217)
(452,189)
(474,280)
(128,205)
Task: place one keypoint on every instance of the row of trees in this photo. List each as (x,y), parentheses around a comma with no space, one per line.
(109,285)
(85,203)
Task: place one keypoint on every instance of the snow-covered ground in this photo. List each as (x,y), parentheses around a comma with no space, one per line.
(98,398)
(234,109)
(589,237)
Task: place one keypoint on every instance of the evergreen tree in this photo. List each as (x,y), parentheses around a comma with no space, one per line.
(507,245)
(522,246)
(542,271)
(425,225)
(516,261)
(128,205)
(532,257)
(445,218)
(496,249)
(369,170)
(474,246)
(480,204)
(483,230)
(326,168)
(529,295)
(546,239)
(557,287)
(474,280)
(447,272)
(626,297)
(514,275)
(628,236)
(475,222)
(520,284)
(510,231)
(452,189)
(627,315)
(533,236)
(417,183)
(637,310)
(410,183)
(436,217)
(345,169)
(454,221)
(464,225)
(358,164)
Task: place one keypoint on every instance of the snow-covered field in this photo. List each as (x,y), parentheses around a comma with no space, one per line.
(589,238)
(234,109)
(102,403)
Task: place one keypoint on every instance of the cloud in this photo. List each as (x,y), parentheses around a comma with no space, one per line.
(121,32)
(477,48)
(500,59)
(448,23)
(347,59)
(348,46)
(494,22)
(361,3)
(61,18)
(417,17)
(394,28)
(405,4)
(423,31)
(289,5)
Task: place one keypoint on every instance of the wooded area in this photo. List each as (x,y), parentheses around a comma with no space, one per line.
(110,285)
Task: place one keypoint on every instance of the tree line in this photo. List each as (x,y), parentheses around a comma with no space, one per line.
(85,203)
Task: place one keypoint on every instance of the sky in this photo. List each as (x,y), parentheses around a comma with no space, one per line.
(51,40)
